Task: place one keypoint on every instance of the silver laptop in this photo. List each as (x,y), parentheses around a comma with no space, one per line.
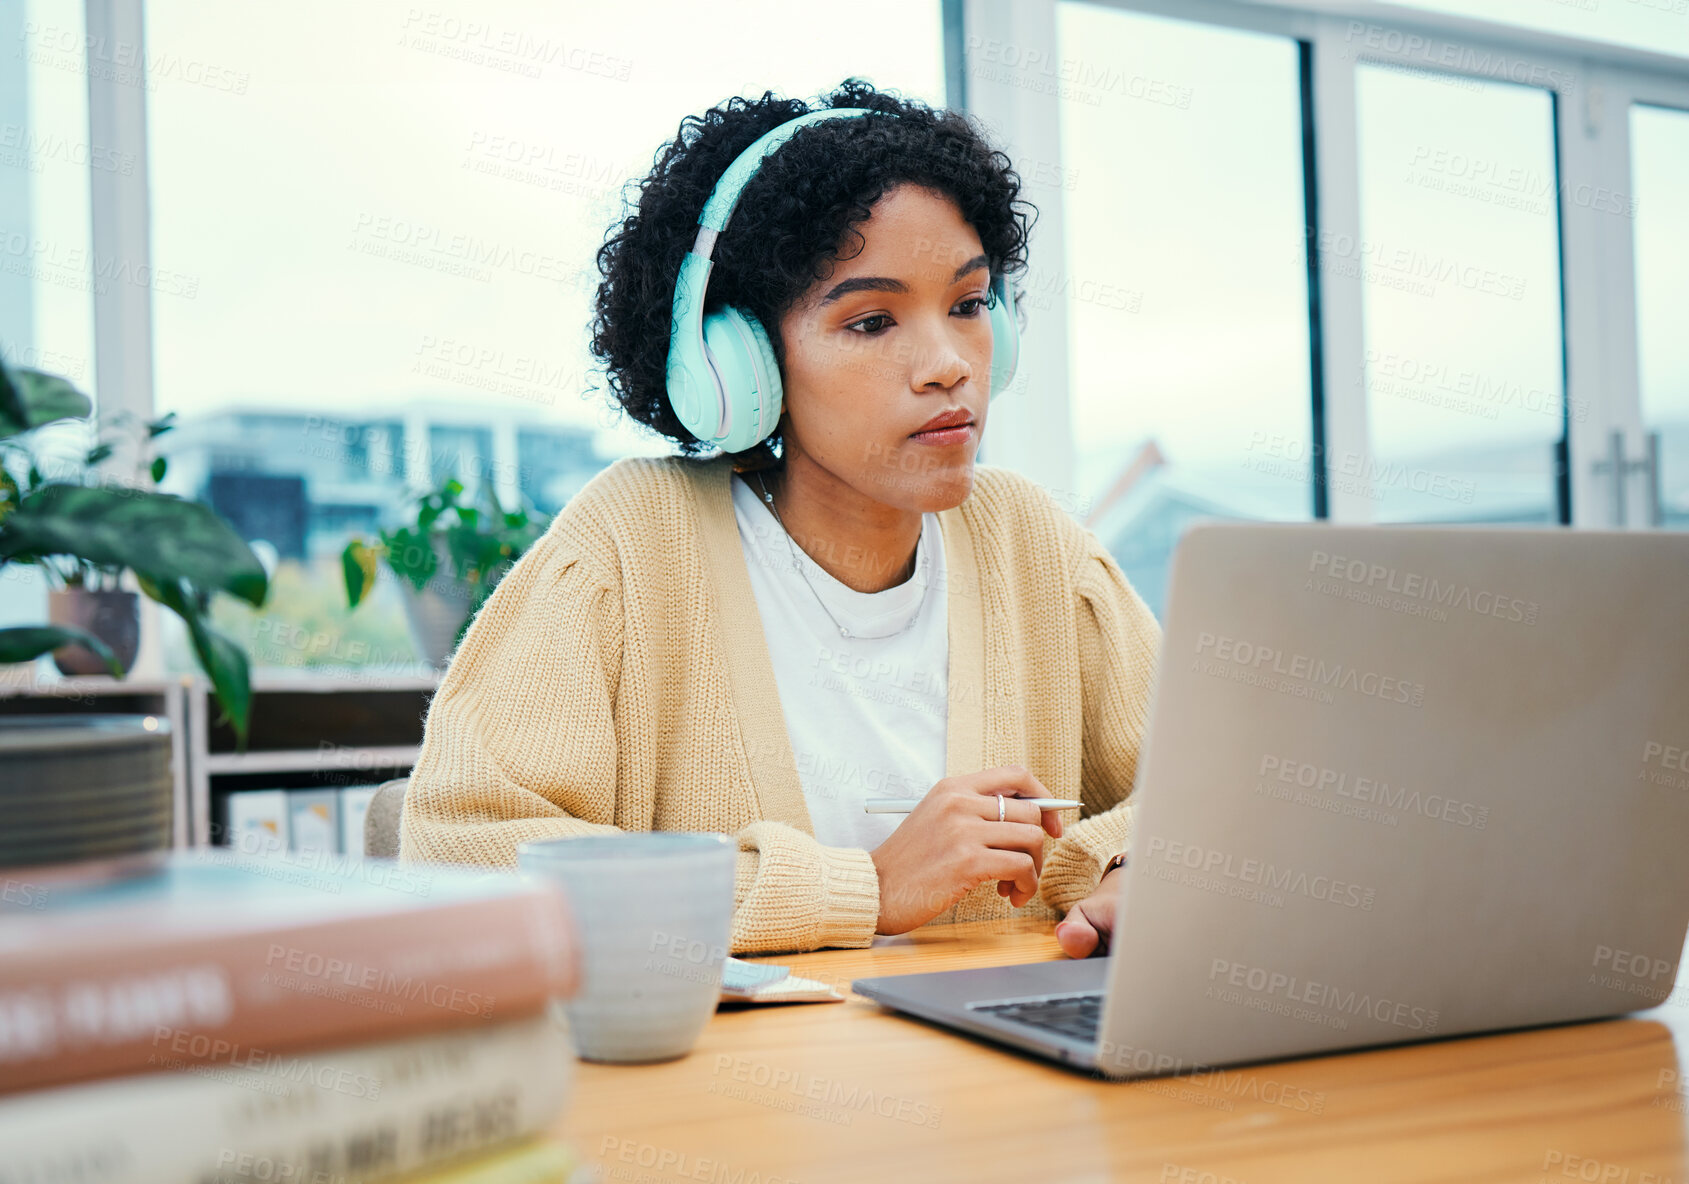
(1398,783)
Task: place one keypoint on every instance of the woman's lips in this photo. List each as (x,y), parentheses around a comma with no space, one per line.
(956,435)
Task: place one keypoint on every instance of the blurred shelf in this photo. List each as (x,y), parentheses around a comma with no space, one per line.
(301,760)
(318,683)
(316,728)
(80,686)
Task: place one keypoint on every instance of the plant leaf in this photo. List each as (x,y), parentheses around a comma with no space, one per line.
(231,680)
(158,535)
(12,410)
(10,494)
(357,564)
(223,661)
(411,555)
(29,399)
(28,642)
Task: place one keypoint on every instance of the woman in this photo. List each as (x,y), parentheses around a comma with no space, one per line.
(755,642)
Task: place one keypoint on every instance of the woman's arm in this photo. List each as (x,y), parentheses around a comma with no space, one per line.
(1119,645)
(519,742)
(524,740)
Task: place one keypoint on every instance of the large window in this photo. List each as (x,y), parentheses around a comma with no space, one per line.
(1464,353)
(390,216)
(373,229)
(1188,302)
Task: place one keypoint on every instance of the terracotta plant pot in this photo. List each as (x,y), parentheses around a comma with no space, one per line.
(113,617)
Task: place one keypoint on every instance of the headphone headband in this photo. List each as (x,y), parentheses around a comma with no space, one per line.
(724,198)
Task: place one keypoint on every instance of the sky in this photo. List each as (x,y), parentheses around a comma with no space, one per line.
(320,170)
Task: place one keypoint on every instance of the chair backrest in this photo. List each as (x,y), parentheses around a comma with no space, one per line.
(381,824)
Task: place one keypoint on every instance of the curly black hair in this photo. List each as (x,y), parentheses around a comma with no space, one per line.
(791,223)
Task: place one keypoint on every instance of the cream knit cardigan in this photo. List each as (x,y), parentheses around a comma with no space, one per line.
(618,678)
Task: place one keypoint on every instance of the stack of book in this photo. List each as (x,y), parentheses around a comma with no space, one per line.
(212,1017)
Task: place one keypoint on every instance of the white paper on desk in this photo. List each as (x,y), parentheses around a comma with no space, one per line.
(759,982)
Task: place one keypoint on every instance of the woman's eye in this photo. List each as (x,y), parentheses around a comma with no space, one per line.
(875,325)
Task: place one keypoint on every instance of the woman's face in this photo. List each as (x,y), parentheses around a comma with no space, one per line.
(894,337)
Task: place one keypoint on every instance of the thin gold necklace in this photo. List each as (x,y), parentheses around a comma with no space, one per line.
(920,570)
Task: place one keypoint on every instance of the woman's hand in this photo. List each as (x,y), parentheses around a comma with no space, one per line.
(952,841)
(1090,923)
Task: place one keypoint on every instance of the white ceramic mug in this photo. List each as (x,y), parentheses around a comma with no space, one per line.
(654,913)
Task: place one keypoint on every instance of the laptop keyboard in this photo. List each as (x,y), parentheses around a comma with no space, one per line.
(1077,1016)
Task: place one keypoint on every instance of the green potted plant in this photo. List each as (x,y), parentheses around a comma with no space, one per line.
(84,595)
(449,556)
(180,551)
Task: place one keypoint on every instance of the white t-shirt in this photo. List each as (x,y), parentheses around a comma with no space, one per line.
(865,713)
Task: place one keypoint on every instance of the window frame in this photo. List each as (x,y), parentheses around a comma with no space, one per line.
(120,216)
(1631,493)
(1597,273)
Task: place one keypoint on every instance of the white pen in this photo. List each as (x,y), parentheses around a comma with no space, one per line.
(904,805)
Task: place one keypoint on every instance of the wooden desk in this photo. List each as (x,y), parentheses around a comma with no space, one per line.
(850,1092)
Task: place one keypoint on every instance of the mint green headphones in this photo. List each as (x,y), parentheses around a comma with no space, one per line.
(723,381)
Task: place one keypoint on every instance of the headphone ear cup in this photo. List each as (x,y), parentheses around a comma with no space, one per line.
(768,380)
(737,349)
(1005,335)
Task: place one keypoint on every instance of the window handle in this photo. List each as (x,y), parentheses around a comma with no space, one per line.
(1656,504)
(1619,469)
